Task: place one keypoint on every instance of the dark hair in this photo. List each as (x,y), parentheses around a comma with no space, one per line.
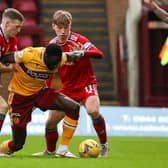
(52,56)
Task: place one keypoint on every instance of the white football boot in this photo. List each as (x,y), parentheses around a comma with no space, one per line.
(44,153)
(4,155)
(104,150)
(65,154)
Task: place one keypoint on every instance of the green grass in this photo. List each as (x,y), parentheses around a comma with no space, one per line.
(125,152)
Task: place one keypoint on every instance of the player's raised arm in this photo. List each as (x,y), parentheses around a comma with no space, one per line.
(161,13)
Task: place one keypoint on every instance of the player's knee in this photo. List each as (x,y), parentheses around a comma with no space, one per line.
(51,124)
(76,108)
(93,113)
(54,118)
(73,108)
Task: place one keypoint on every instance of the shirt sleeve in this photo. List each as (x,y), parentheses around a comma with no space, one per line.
(23,55)
(90,49)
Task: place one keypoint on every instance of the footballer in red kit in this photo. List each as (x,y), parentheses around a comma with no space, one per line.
(78,83)
(12,21)
(7,44)
(78,74)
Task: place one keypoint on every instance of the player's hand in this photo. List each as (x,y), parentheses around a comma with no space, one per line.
(74,55)
(75,45)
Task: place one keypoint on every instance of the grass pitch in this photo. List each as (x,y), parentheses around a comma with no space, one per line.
(125,152)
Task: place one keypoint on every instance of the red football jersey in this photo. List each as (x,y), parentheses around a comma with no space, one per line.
(7,44)
(79,73)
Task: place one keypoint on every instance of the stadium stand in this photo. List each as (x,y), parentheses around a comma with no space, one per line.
(24,41)
(3,5)
(29,9)
(36,33)
(32,33)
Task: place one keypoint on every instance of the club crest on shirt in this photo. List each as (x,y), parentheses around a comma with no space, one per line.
(16,120)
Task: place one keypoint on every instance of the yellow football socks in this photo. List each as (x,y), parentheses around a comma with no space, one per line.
(69,127)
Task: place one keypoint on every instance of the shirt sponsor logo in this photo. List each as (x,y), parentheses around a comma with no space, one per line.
(35,74)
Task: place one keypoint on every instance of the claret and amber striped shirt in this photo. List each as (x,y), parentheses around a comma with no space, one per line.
(30,71)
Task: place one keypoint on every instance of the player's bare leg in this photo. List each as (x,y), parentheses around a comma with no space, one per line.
(92,106)
(51,134)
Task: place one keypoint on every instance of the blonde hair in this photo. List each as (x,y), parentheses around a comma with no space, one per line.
(62,17)
(12,14)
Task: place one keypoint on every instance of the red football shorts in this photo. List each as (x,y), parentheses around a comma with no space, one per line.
(82,94)
(21,107)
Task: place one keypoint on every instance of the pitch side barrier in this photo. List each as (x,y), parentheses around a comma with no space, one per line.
(120,121)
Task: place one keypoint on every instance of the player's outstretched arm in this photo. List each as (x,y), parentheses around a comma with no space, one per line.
(74,55)
(161,13)
(7,58)
(93,52)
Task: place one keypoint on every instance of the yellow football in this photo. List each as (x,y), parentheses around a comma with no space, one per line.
(89,148)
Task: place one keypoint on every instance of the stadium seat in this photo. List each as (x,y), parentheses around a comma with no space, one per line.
(30,21)
(24,41)
(27,6)
(29,10)
(3,6)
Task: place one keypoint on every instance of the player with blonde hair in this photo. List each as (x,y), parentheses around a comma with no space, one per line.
(78,83)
